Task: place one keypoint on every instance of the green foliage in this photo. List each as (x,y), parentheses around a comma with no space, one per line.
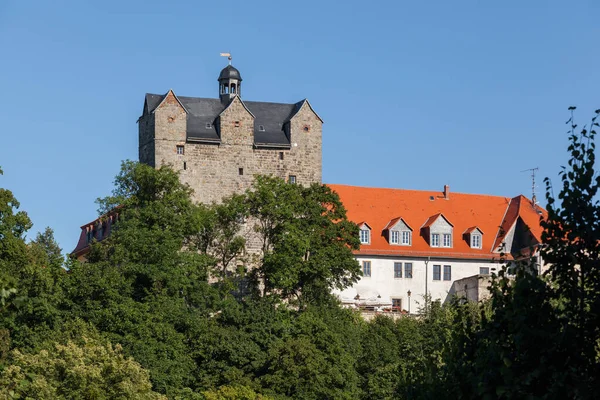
(88,369)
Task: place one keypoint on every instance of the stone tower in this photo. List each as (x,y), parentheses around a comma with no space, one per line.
(218,145)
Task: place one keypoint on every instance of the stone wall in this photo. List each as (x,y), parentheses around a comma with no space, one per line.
(214,171)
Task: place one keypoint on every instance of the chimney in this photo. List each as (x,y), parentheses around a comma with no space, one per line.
(446,192)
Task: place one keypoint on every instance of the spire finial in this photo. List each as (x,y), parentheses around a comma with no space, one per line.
(228,55)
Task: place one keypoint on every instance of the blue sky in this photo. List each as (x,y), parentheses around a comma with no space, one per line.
(413,94)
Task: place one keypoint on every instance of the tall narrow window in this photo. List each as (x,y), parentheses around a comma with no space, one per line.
(394,237)
(447,240)
(447,272)
(408,270)
(180,150)
(475,240)
(396,305)
(241,171)
(365,236)
(366,268)
(406,238)
(281,155)
(397,270)
(437,269)
(435,240)
(184,165)
(292,179)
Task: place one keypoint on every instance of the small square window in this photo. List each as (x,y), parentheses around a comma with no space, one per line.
(408,270)
(180,150)
(435,240)
(397,270)
(447,272)
(365,236)
(236,124)
(437,271)
(241,171)
(292,179)
(394,237)
(447,240)
(306,128)
(208,125)
(261,128)
(366,268)
(484,270)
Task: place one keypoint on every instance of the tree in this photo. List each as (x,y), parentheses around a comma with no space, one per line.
(88,369)
(307,241)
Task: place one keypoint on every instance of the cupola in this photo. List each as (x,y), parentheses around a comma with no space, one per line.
(230,82)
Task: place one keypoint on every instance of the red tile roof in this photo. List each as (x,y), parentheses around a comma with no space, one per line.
(377,206)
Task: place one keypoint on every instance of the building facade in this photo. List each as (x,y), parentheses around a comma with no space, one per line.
(437,243)
(219,144)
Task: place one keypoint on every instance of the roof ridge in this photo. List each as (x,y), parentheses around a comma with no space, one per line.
(418,190)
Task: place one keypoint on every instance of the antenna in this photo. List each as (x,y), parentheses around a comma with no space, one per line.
(228,55)
(533,170)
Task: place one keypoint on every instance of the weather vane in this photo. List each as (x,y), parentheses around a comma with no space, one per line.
(228,55)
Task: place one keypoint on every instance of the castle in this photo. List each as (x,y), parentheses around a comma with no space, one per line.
(218,144)
(412,242)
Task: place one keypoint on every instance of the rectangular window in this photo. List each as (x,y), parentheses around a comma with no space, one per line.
(180,150)
(435,240)
(447,272)
(408,270)
(366,268)
(397,270)
(292,179)
(365,236)
(447,240)
(406,238)
(484,270)
(476,241)
(396,305)
(241,171)
(281,155)
(394,237)
(437,269)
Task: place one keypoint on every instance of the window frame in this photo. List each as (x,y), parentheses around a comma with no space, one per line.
(394,237)
(180,150)
(292,179)
(447,273)
(449,237)
(398,271)
(408,270)
(368,236)
(482,268)
(399,307)
(436,242)
(474,237)
(365,264)
(437,272)
(409,236)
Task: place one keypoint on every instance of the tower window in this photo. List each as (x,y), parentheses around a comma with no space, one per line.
(281,155)
(180,150)
(261,128)
(184,165)
(241,171)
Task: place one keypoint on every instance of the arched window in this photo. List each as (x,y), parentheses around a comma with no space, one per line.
(233,88)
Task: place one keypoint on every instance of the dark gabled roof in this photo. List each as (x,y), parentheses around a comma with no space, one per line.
(271,117)
(201,112)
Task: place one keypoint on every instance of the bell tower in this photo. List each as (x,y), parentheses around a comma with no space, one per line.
(230,83)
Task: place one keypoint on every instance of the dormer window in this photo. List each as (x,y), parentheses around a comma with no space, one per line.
(261,128)
(474,236)
(398,232)
(439,231)
(365,233)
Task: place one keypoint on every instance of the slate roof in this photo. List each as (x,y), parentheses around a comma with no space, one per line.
(270,121)
(377,206)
